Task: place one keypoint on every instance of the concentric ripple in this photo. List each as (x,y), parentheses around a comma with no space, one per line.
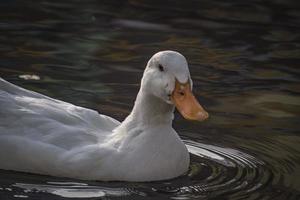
(225,171)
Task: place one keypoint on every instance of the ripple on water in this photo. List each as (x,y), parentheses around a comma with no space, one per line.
(228,171)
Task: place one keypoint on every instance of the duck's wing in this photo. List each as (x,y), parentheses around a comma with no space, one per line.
(39,134)
(36,117)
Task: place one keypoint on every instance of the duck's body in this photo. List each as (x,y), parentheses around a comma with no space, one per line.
(42,135)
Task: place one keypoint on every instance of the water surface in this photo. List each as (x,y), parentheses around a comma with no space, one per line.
(244,61)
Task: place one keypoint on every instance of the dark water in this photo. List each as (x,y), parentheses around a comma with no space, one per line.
(244,58)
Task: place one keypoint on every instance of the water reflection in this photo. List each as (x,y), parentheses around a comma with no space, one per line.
(214,171)
(72,190)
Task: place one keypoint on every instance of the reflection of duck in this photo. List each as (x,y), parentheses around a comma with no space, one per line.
(42,135)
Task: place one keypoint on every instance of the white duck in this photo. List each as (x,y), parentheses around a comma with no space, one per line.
(42,135)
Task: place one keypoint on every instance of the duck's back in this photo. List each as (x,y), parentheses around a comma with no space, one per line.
(40,128)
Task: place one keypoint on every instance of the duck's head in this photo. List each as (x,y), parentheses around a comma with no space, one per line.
(167,77)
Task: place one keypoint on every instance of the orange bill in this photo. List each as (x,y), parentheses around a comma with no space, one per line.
(186,103)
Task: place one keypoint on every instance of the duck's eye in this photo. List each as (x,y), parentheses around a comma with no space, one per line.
(161,68)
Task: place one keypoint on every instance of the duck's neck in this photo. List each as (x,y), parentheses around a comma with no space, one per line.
(150,110)
(149,115)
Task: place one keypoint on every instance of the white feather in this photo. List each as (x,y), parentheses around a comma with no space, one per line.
(42,135)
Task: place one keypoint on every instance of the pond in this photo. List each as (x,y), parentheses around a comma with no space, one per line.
(244,59)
